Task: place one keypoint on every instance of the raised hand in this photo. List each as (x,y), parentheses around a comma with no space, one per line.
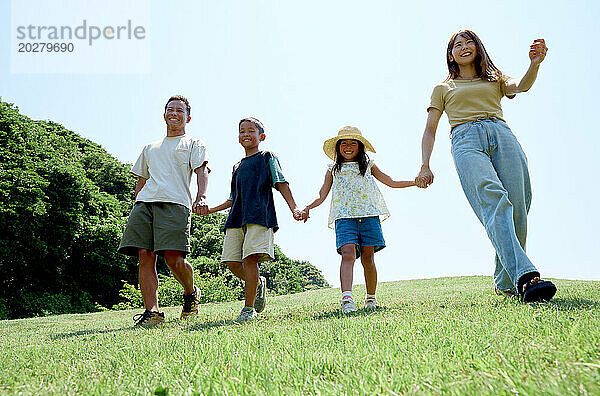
(537,51)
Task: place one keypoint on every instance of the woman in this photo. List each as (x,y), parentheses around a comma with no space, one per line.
(491,165)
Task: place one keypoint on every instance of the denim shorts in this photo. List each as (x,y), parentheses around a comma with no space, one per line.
(361,231)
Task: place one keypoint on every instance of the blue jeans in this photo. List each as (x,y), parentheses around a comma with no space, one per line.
(361,231)
(493,172)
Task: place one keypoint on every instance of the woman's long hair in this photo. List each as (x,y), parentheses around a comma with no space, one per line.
(362,158)
(484,66)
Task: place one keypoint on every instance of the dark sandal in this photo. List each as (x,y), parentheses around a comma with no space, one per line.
(539,291)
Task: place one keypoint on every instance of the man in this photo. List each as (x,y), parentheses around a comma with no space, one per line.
(159,223)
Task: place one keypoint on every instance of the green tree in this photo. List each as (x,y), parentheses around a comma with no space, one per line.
(58,228)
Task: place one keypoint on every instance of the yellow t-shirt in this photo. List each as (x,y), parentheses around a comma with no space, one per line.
(468,100)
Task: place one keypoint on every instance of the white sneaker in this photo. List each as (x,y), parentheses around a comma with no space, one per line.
(348,305)
(371,303)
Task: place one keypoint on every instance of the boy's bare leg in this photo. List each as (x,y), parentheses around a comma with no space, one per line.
(181,269)
(347,267)
(148,279)
(237,268)
(250,264)
(367,258)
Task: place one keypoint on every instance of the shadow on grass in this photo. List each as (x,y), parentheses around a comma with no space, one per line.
(79,333)
(337,313)
(570,303)
(560,303)
(193,327)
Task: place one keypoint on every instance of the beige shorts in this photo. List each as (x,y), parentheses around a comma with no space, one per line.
(251,239)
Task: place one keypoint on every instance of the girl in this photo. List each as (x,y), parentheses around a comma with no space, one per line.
(491,165)
(357,209)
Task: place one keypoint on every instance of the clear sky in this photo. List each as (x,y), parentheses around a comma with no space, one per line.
(306,69)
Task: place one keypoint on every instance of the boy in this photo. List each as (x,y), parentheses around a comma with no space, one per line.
(160,220)
(252,221)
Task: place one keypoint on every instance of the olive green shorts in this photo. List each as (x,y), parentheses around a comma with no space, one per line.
(157,226)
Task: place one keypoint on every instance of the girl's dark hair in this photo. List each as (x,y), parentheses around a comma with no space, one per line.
(362,158)
(484,66)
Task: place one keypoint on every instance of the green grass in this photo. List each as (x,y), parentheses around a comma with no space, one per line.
(448,335)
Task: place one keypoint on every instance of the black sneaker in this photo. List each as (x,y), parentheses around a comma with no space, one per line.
(148,318)
(190,303)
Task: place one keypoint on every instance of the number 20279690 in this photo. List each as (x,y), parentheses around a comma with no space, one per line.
(46,47)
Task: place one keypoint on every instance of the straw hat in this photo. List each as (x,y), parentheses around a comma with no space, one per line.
(347,132)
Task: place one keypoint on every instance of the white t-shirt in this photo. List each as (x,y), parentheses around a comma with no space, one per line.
(169,164)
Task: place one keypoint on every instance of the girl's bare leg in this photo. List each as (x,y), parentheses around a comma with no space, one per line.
(367,258)
(347,266)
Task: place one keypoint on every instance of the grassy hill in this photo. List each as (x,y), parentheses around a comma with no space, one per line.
(447,335)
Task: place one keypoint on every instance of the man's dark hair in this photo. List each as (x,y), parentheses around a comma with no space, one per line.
(183,99)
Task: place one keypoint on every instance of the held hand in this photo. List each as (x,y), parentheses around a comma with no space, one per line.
(297,214)
(305,214)
(200,207)
(537,51)
(424,178)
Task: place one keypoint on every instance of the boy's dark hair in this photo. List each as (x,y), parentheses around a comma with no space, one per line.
(362,158)
(255,121)
(183,99)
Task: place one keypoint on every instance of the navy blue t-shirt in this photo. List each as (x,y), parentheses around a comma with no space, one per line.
(251,191)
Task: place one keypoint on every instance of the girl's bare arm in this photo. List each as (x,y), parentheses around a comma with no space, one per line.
(388,181)
(323,192)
